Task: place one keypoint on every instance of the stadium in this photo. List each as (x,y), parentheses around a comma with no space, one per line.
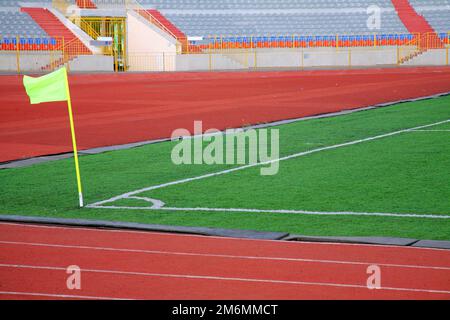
(225,150)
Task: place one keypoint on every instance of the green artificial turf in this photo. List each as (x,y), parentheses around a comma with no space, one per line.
(401,174)
(406,173)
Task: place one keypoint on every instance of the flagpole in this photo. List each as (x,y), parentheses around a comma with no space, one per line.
(74,142)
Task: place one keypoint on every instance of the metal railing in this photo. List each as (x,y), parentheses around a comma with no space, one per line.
(300,58)
(86,4)
(87,28)
(223,43)
(63,5)
(38,54)
(43,54)
(227,42)
(111,4)
(422,43)
(69,8)
(109,27)
(151,62)
(16,58)
(294,59)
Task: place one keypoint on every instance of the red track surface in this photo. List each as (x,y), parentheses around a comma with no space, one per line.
(122,108)
(138,265)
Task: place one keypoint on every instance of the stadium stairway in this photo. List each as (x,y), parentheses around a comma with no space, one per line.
(415,23)
(163,23)
(86,4)
(166,23)
(54,28)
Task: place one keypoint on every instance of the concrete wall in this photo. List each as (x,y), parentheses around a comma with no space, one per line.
(188,62)
(435,57)
(35,61)
(152,62)
(92,63)
(144,37)
(288,58)
(28,62)
(232,60)
(375,57)
(149,48)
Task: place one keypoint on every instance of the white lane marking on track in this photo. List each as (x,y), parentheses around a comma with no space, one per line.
(99,204)
(194,254)
(171,235)
(54,295)
(202,277)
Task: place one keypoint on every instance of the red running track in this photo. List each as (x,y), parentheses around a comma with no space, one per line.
(115,109)
(140,265)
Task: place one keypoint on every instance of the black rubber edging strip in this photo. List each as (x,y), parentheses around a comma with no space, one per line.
(436,244)
(20,163)
(225,233)
(384,241)
(388,241)
(204,231)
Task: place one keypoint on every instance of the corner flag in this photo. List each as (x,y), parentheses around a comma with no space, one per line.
(48,88)
(55,87)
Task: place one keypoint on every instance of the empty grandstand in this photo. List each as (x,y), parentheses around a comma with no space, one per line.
(16,22)
(280,17)
(436,12)
(169,35)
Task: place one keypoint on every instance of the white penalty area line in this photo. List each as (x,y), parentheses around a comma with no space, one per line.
(218,278)
(131,194)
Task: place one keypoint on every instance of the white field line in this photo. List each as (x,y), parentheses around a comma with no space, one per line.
(224,256)
(431,130)
(100,204)
(321,213)
(218,278)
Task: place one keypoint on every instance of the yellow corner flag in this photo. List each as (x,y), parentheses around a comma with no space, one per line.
(48,88)
(55,87)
